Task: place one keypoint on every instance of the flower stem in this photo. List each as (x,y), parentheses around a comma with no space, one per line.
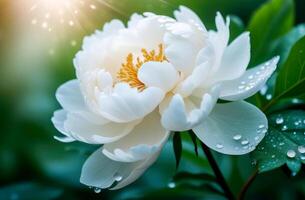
(220,178)
(247,185)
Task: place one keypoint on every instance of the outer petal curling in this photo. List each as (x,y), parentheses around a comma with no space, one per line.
(248,84)
(233,128)
(143,141)
(183,114)
(101,172)
(127,104)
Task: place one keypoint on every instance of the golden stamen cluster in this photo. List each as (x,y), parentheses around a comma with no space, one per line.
(129,71)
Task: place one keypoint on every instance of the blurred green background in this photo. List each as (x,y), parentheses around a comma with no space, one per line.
(35,61)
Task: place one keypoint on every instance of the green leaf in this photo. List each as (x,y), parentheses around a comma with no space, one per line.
(177,144)
(272,20)
(283,45)
(29,191)
(290,82)
(284,143)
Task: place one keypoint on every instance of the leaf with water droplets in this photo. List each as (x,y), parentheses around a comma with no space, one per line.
(284,143)
(290,82)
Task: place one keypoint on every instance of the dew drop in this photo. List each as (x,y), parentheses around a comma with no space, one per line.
(241,87)
(261,126)
(291,153)
(284,128)
(301,149)
(279,120)
(302,157)
(282,143)
(97,190)
(273,156)
(268,96)
(250,77)
(117,177)
(237,137)
(296,123)
(244,142)
(172,185)
(219,146)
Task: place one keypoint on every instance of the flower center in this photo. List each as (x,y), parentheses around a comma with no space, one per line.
(129,71)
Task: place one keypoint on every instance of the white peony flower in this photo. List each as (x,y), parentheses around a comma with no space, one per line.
(135,84)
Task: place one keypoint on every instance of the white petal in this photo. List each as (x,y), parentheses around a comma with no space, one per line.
(58,119)
(94,129)
(69,96)
(219,40)
(134,19)
(199,74)
(143,141)
(156,74)
(248,84)
(180,52)
(109,29)
(127,104)
(233,128)
(188,16)
(101,172)
(183,114)
(235,59)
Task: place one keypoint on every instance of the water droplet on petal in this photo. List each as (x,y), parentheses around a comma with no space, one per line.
(291,153)
(301,149)
(117,177)
(97,190)
(237,137)
(279,120)
(244,142)
(261,126)
(219,146)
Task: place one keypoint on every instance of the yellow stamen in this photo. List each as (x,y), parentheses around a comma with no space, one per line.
(129,71)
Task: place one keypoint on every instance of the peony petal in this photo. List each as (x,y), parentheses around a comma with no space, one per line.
(218,40)
(58,119)
(235,59)
(251,82)
(193,81)
(94,129)
(186,15)
(233,128)
(101,172)
(180,52)
(111,28)
(156,74)
(183,114)
(127,104)
(143,141)
(70,97)
(134,19)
